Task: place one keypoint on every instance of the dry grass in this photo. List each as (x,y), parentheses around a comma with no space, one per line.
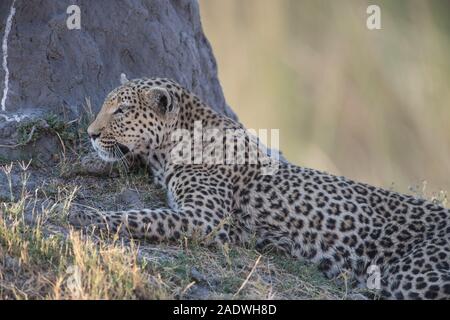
(42,257)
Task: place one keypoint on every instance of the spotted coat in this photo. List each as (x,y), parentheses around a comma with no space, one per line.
(345,227)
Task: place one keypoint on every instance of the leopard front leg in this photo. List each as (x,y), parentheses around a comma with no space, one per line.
(199,206)
(158,224)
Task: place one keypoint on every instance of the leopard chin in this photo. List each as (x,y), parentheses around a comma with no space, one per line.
(113,154)
(107,157)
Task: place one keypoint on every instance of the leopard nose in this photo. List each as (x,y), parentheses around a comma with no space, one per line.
(94,136)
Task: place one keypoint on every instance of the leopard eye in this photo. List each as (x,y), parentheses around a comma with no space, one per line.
(119,110)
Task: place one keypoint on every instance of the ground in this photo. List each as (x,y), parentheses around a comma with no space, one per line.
(42,256)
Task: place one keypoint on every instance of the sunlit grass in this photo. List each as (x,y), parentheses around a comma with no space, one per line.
(43,257)
(38,262)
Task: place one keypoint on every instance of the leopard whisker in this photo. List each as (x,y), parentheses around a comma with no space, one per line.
(121,157)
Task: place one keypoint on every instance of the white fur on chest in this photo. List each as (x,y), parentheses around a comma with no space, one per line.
(158,178)
(171,201)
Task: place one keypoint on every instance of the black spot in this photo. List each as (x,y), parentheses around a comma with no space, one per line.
(431,294)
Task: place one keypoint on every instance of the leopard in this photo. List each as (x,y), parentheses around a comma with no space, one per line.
(394,243)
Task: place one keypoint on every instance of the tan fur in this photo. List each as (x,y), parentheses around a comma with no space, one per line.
(345,227)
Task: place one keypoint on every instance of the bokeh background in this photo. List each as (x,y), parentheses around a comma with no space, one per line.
(370,105)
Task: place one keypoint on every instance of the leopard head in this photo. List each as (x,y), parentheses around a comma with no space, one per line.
(134,119)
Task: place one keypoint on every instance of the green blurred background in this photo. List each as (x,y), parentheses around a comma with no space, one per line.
(370,105)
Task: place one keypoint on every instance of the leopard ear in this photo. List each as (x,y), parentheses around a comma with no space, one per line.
(159,99)
(123,78)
